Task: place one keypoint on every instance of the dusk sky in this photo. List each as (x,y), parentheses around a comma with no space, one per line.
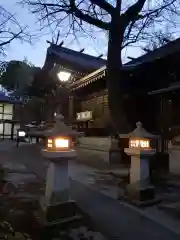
(35,53)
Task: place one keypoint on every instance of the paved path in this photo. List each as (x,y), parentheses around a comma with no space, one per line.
(117,220)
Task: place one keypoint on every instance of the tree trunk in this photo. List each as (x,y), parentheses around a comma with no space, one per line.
(115,79)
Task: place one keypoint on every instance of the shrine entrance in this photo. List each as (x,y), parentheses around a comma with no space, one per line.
(167,110)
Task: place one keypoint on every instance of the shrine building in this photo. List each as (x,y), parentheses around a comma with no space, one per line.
(151,89)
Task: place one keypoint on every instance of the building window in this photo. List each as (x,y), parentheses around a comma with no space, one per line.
(7,116)
(6,111)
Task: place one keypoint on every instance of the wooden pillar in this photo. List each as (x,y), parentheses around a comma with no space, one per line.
(71,107)
(167,115)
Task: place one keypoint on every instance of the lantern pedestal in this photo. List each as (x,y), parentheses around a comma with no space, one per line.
(55,202)
(139,187)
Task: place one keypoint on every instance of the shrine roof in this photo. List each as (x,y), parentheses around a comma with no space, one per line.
(7,99)
(89,78)
(164,51)
(79,60)
(165,90)
(168,49)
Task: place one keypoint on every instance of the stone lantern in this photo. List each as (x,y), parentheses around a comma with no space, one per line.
(58,150)
(140,151)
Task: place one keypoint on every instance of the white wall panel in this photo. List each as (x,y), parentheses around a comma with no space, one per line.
(7,117)
(1,128)
(7,128)
(8,108)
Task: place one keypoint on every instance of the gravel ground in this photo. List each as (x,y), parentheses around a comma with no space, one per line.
(19,198)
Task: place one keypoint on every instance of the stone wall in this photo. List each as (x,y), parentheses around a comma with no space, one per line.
(103,147)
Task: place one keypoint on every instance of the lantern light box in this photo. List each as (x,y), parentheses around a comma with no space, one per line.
(21,134)
(139,143)
(59,143)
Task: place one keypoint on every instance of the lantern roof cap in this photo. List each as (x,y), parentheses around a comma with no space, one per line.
(139,132)
(60,128)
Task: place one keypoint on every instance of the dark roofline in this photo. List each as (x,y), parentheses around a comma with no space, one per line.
(161,52)
(10,101)
(167,49)
(165,90)
(76,53)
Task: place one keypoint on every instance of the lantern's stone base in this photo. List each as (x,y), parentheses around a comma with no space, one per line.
(56,198)
(139,196)
(57,213)
(140,193)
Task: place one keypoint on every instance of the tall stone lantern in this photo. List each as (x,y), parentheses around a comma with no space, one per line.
(59,150)
(140,151)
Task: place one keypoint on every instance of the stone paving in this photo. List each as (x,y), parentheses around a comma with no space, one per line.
(19,198)
(98,195)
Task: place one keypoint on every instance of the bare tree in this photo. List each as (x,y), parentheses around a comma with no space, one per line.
(126,22)
(10,29)
(158,40)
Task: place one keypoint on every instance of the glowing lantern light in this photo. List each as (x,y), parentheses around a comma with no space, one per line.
(59,143)
(50,143)
(139,143)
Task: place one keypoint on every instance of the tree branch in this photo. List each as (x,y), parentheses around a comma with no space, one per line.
(157,10)
(104,5)
(74,10)
(10,29)
(11,39)
(132,12)
(135,38)
(86,18)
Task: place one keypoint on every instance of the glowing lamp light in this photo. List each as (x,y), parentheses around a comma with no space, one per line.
(21,134)
(50,143)
(58,143)
(61,143)
(64,76)
(139,143)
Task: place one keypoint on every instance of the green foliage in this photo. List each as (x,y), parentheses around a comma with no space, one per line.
(3,66)
(17,75)
(43,84)
(35,109)
(26,61)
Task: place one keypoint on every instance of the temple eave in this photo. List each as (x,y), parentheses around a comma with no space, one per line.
(87,80)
